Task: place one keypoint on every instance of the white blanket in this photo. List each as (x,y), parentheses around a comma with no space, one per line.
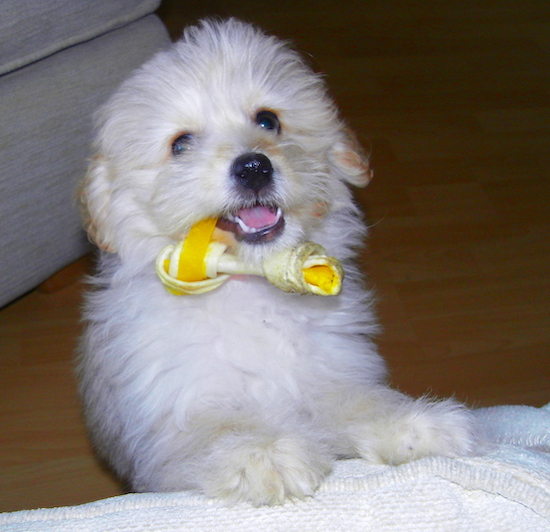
(506,490)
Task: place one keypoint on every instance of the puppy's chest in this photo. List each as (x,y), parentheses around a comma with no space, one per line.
(252,324)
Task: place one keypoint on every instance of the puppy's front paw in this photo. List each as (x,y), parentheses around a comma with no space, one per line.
(421,428)
(441,429)
(264,472)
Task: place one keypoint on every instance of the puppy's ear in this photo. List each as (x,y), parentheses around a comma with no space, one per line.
(349,160)
(94,198)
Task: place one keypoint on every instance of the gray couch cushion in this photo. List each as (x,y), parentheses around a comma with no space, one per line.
(31,29)
(45,127)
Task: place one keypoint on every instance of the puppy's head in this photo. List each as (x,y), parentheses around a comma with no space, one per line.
(228,123)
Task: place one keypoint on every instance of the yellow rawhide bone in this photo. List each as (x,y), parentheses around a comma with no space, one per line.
(193,268)
(191,265)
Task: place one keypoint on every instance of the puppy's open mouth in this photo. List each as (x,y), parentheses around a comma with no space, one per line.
(254,225)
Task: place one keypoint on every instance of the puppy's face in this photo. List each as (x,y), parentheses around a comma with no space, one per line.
(231,124)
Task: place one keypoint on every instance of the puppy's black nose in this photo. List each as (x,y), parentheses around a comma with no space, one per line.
(253,171)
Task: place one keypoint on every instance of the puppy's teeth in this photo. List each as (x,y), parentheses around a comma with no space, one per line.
(245,227)
(233,218)
(236,220)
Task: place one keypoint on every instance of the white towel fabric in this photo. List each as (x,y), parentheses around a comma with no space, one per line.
(506,490)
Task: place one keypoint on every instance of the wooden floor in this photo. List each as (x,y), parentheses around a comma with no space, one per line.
(453,100)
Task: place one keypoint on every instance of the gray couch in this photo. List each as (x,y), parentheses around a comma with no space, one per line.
(59,59)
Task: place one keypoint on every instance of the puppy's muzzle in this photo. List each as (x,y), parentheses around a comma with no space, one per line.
(253,171)
(258,219)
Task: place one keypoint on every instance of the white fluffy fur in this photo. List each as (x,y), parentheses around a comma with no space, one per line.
(246,392)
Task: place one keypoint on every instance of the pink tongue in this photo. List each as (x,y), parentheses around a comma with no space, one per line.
(258,217)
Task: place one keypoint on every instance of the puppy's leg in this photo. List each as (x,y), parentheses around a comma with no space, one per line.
(250,459)
(389,427)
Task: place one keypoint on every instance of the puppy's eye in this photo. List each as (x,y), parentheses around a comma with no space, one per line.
(181,143)
(268,120)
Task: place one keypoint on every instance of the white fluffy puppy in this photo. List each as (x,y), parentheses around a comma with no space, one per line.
(245,392)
